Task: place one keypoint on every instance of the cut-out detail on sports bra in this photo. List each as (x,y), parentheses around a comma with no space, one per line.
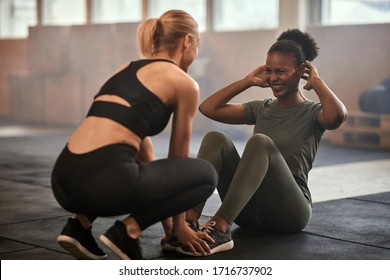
(147,114)
(113,98)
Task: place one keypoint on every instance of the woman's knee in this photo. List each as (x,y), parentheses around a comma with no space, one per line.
(260,144)
(215,138)
(261,140)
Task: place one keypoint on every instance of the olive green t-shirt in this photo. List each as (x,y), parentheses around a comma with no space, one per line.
(295,131)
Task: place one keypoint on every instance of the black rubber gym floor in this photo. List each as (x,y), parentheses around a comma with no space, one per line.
(351,228)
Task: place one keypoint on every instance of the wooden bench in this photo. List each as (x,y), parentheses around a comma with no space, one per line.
(363,130)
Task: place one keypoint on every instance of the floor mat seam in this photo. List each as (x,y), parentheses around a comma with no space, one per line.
(348,241)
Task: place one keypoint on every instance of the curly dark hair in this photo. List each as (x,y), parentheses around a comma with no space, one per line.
(297,43)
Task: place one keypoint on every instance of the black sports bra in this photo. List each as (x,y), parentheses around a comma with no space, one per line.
(147,116)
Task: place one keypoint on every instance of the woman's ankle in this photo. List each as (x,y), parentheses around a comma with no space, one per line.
(221,223)
(83,219)
(132,228)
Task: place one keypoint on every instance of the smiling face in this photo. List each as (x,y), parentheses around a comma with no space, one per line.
(284,75)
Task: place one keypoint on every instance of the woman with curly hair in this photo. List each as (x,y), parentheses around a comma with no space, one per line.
(267,187)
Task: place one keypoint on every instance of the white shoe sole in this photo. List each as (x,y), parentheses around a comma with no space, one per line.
(77,250)
(221,248)
(107,242)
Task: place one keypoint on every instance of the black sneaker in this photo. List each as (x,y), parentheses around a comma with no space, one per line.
(223,241)
(119,242)
(173,243)
(79,242)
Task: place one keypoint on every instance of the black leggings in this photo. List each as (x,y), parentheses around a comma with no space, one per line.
(109,182)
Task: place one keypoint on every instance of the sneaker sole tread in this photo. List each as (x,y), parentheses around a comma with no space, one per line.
(77,250)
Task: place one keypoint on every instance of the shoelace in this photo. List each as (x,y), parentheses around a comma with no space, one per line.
(208,226)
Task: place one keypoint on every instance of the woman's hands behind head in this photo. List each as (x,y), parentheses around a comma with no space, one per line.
(259,77)
(311,75)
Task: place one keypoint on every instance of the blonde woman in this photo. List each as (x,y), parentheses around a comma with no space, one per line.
(108,168)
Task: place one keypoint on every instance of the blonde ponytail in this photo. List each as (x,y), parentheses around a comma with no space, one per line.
(146,36)
(164,33)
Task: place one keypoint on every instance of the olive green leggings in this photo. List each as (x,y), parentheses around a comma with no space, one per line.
(257,190)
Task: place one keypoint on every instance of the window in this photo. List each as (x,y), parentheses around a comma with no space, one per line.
(16,16)
(64,12)
(112,11)
(355,11)
(197,8)
(233,15)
